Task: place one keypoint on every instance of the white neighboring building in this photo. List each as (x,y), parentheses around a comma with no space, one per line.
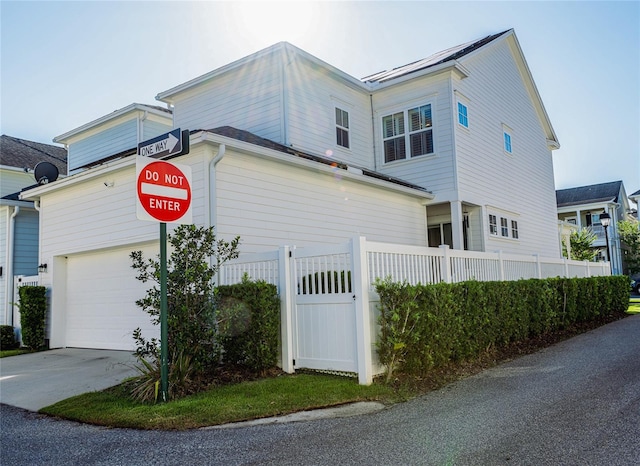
(19,227)
(286,149)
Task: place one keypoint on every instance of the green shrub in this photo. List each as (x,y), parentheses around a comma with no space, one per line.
(33,307)
(426,326)
(7,337)
(249,324)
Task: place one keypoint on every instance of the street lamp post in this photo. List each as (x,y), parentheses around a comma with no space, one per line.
(605,219)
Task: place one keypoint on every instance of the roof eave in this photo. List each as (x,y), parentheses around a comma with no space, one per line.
(453,66)
(111,116)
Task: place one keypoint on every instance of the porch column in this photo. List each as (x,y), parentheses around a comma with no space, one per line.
(456,225)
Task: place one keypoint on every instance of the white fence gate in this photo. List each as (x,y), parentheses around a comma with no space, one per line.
(18,281)
(328,301)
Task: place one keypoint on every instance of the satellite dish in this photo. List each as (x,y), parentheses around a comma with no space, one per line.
(45,172)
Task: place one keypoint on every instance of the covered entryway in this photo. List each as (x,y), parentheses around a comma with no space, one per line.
(101,291)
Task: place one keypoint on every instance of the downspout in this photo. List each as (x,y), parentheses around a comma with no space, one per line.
(9,280)
(373,133)
(212,210)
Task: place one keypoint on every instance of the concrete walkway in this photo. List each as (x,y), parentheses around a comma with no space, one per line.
(35,380)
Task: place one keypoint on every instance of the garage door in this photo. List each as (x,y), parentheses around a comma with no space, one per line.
(101,295)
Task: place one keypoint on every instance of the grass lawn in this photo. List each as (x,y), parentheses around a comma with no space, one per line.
(13,352)
(229,403)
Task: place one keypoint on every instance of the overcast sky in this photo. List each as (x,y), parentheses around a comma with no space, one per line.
(64,64)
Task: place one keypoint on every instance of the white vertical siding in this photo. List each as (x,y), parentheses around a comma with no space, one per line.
(107,142)
(247,98)
(519,183)
(434,172)
(270,204)
(313,96)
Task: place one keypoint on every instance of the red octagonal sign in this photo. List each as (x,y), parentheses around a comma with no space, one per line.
(164,191)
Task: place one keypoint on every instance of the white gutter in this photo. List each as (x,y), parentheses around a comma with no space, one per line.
(9,276)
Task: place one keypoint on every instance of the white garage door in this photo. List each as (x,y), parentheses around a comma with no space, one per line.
(101,295)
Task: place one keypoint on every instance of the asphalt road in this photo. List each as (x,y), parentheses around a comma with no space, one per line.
(576,403)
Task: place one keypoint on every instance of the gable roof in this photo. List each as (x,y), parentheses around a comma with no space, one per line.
(450,54)
(592,194)
(24,154)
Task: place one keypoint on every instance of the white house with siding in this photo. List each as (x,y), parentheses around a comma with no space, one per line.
(286,149)
(19,227)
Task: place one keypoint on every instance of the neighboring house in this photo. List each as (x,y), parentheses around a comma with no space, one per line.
(19,230)
(286,149)
(635,197)
(582,207)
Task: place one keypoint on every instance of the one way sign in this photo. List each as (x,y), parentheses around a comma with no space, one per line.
(170,143)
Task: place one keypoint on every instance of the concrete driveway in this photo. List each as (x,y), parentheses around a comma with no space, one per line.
(33,381)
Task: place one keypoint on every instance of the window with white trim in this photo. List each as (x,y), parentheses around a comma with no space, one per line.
(504,227)
(418,137)
(493,224)
(514,229)
(342,127)
(506,135)
(463,115)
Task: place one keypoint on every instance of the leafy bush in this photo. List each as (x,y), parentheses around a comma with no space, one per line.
(7,338)
(33,307)
(249,320)
(426,326)
(191,319)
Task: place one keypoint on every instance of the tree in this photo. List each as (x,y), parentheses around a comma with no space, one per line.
(581,242)
(193,349)
(629,232)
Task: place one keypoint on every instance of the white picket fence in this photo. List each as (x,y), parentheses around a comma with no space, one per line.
(328,300)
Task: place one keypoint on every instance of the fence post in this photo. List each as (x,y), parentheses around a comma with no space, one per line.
(539,265)
(586,264)
(286,308)
(361,305)
(501,262)
(566,268)
(444,265)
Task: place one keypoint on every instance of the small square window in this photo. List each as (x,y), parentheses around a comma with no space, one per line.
(507,143)
(463,117)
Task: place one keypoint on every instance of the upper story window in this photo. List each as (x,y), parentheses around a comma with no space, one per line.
(342,127)
(418,136)
(506,135)
(463,115)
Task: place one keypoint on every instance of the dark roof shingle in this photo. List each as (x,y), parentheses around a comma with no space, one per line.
(603,192)
(20,153)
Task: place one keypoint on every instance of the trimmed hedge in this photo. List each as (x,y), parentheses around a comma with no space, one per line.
(7,338)
(249,319)
(426,326)
(33,307)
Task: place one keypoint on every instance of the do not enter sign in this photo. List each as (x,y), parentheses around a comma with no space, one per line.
(163,191)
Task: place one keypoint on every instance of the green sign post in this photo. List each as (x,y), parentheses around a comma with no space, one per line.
(163,195)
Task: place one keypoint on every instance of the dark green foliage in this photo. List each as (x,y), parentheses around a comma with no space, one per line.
(33,307)
(249,320)
(7,338)
(427,326)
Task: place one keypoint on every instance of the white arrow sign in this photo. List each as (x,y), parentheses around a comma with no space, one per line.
(165,144)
